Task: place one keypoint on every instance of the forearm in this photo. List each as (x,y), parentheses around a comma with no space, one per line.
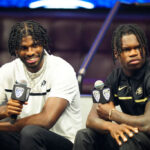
(121,117)
(141,121)
(95,122)
(99,125)
(37,119)
(135,121)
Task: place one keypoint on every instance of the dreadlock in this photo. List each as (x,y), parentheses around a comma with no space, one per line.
(25,28)
(125,29)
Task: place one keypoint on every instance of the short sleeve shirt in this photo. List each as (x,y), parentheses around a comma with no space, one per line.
(56,78)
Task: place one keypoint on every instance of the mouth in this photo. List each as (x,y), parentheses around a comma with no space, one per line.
(32,60)
(134,61)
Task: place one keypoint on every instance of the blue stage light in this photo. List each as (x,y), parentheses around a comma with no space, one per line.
(67,4)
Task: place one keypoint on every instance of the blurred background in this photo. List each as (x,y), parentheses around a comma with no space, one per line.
(80,30)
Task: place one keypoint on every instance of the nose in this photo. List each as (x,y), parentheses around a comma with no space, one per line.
(30,51)
(133,52)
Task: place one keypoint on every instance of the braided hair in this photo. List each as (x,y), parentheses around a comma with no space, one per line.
(23,29)
(126,29)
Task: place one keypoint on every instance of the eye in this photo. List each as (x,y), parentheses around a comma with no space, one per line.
(137,47)
(35,45)
(23,47)
(126,49)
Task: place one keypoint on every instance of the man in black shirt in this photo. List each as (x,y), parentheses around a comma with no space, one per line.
(129,87)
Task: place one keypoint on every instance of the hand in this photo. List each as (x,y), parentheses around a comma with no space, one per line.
(14,107)
(121,132)
(104,109)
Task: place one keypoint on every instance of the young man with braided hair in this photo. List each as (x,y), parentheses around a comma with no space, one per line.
(127,86)
(51,116)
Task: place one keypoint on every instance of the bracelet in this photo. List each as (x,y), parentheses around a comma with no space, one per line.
(110,113)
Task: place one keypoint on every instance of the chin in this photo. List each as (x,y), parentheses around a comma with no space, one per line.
(136,67)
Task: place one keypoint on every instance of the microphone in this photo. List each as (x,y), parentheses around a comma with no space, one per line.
(101,93)
(21,93)
(99,85)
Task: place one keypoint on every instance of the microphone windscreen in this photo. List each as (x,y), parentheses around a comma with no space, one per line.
(99,85)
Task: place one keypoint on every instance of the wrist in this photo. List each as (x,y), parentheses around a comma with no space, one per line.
(3,112)
(110,113)
(110,126)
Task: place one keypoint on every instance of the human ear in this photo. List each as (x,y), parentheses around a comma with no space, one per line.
(116,54)
(16,53)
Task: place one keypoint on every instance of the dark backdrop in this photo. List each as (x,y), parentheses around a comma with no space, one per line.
(72,34)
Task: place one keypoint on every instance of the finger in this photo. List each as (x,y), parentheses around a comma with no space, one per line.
(135,130)
(98,110)
(99,105)
(12,112)
(25,103)
(14,101)
(118,140)
(129,132)
(13,109)
(15,104)
(123,137)
(127,129)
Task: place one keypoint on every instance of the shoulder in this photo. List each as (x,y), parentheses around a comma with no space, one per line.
(146,79)
(113,79)
(58,63)
(115,74)
(8,67)
(147,69)
(9,70)
(148,66)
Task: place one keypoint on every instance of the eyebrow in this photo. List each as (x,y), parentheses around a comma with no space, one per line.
(130,47)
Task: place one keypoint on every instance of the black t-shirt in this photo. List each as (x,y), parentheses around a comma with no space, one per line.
(131,93)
